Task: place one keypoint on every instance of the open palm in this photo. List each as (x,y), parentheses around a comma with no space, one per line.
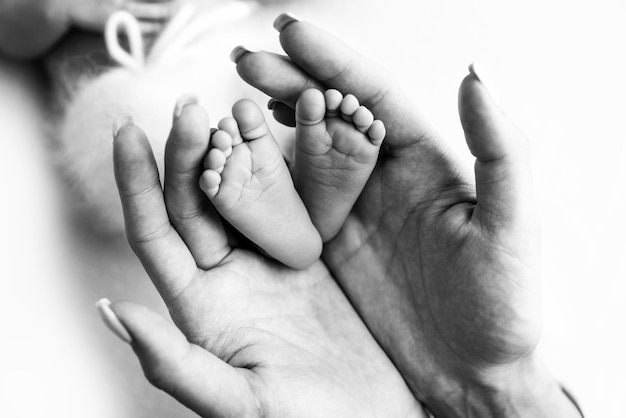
(441,268)
(254,338)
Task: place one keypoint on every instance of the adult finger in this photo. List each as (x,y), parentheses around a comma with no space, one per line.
(502,163)
(321,58)
(275,75)
(189,210)
(163,253)
(192,375)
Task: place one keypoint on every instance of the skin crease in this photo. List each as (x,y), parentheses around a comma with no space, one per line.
(265,340)
(443,272)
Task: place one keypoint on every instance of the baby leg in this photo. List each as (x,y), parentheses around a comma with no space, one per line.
(248,182)
(337,144)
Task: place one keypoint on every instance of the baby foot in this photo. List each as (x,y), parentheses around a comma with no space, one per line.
(337,144)
(248,182)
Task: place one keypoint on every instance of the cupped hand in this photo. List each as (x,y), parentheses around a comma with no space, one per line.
(442,267)
(252,337)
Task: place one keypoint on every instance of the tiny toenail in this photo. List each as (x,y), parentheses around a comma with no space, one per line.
(284,20)
(120,122)
(238,52)
(184,100)
(112,321)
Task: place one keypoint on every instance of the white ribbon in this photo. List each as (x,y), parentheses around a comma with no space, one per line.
(124,22)
(181,32)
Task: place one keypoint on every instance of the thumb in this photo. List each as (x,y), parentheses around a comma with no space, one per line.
(502,166)
(192,375)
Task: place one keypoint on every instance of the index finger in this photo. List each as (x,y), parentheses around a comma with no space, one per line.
(317,58)
(276,75)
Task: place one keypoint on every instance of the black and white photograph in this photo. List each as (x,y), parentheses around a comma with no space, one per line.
(313,208)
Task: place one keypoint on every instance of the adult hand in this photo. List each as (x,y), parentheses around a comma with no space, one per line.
(252,338)
(441,268)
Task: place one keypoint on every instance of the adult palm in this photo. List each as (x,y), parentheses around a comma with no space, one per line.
(441,268)
(252,337)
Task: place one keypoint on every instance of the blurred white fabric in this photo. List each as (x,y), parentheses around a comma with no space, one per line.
(559,70)
(50,363)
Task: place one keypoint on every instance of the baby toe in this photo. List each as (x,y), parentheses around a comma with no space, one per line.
(223,141)
(250,120)
(210,182)
(215,160)
(311,107)
(349,105)
(363,119)
(333,102)
(377,132)
(229,125)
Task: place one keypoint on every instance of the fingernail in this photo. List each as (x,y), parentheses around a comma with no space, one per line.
(184,100)
(271,105)
(284,20)
(120,122)
(238,52)
(112,321)
(483,77)
(476,71)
